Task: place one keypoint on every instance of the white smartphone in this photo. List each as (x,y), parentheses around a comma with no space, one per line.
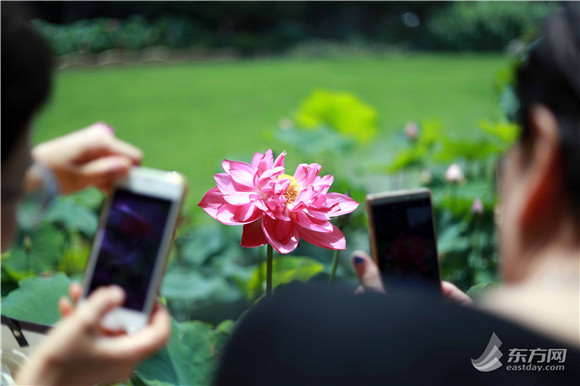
(132,243)
(403,238)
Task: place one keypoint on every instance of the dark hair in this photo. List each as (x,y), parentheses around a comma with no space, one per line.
(26,75)
(551,76)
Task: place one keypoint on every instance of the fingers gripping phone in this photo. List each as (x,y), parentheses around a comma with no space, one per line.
(403,240)
(132,243)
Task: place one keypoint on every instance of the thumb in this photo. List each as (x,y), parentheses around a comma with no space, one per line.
(451,292)
(144,342)
(367,272)
(99,304)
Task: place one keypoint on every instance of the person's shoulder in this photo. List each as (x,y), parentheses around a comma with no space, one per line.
(410,337)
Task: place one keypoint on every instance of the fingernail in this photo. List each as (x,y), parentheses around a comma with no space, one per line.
(110,128)
(358,260)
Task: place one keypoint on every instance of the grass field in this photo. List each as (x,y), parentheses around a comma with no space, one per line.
(188,117)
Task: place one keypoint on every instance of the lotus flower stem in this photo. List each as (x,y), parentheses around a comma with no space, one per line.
(269,261)
(260,270)
(334,266)
(453,199)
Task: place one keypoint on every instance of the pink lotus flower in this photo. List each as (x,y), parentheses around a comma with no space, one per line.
(277,208)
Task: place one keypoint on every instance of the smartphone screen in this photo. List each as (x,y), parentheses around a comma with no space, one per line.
(130,243)
(406,248)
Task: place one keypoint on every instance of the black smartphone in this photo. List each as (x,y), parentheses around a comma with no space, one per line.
(403,241)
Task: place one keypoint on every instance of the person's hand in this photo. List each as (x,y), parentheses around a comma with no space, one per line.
(367,272)
(66,307)
(90,156)
(76,352)
(451,292)
(370,279)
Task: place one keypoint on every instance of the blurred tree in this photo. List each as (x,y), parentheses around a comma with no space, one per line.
(273,27)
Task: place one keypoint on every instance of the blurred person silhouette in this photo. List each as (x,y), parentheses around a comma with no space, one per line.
(76,351)
(311,335)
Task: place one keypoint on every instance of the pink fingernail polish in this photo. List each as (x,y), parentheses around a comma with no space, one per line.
(110,128)
(107,126)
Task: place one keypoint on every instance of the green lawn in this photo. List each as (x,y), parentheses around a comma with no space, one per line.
(188,117)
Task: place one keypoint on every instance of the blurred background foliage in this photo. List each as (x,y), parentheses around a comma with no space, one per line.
(252,28)
(373,111)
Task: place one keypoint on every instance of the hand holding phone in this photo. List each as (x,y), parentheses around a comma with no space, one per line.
(132,243)
(403,241)
(75,352)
